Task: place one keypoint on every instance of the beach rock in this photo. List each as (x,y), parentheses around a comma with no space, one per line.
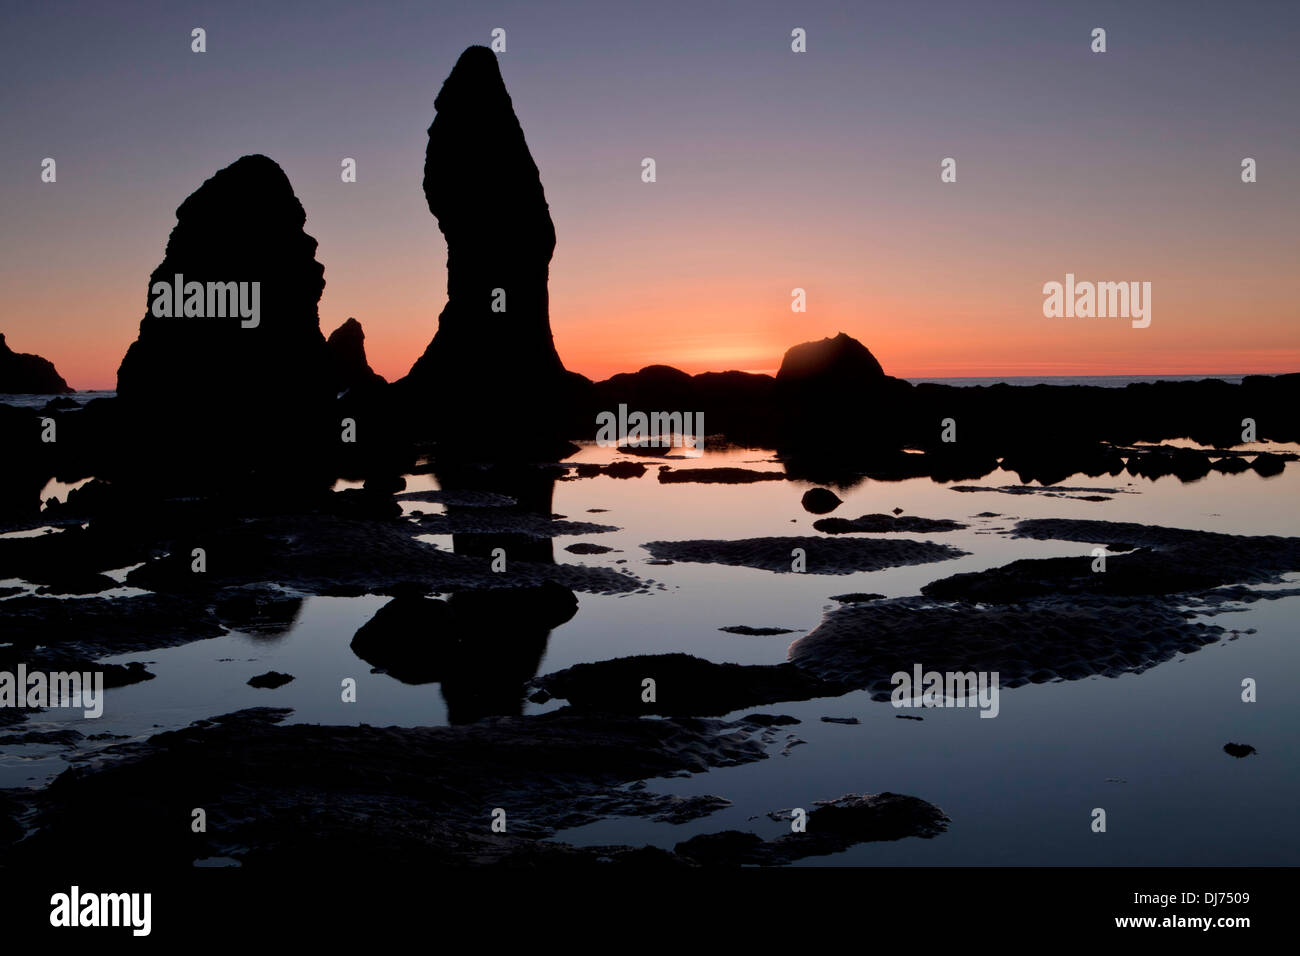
(270,680)
(881,522)
(206,402)
(623,469)
(822,555)
(24,373)
(770,720)
(833,827)
(820,501)
(718,476)
(586,547)
(362,789)
(863,645)
(323,554)
(684,685)
(494,337)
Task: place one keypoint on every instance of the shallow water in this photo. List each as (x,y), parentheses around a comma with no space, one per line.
(1019,789)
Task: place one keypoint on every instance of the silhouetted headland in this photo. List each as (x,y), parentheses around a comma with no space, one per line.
(24,373)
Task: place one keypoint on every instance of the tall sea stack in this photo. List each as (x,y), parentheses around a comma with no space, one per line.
(491,381)
(209,402)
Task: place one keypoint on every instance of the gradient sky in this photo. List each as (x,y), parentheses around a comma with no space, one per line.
(775,170)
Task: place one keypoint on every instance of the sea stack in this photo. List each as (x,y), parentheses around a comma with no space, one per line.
(234,379)
(491,380)
(352,371)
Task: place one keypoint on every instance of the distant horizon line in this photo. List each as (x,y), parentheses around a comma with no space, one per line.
(993,377)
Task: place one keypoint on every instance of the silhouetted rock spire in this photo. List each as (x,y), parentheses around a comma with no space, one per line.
(232,374)
(493,359)
(348,353)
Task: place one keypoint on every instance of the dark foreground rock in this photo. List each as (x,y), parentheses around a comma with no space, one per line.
(822,555)
(322,554)
(1172,559)
(878,523)
(397,796)
(270,680)
(820,501)
(718,476)
(833,827)
(415,796)
(683,685)
(863,645)
(1036,620)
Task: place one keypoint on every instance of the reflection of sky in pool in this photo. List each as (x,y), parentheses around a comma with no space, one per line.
(1019,789)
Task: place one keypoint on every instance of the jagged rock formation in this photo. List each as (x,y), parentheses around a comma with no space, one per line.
(493,360)
(347,346)
(23,373)
(207,398)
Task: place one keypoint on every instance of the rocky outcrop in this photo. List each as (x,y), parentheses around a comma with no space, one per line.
(351,370)
(23,373)
(834,398)
(493,359)
(210,397)
(842,364)
(820,501)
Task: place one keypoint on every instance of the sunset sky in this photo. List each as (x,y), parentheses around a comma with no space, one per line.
(775,170)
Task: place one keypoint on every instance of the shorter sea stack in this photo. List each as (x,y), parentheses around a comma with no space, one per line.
(348,357)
